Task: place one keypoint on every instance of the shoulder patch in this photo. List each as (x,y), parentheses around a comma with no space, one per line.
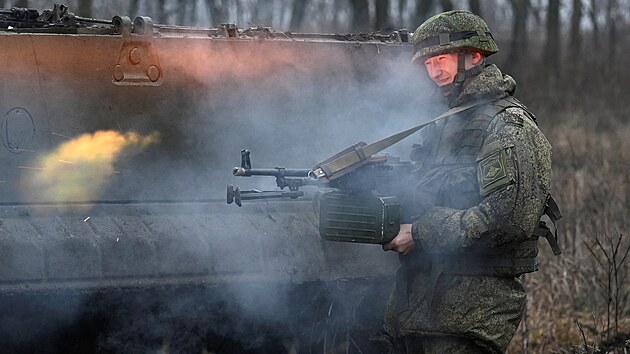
(495,171)
(492,169)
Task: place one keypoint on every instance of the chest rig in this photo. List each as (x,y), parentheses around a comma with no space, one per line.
(450,154)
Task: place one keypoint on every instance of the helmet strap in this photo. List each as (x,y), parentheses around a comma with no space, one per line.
(454,89)
(461,69)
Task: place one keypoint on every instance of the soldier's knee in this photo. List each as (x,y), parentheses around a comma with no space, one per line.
(452,345)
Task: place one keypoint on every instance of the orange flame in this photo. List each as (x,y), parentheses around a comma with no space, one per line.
(80,169)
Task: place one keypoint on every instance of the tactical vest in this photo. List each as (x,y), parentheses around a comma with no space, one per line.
(461,139)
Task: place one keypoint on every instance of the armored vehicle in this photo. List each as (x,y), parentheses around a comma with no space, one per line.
(118,139)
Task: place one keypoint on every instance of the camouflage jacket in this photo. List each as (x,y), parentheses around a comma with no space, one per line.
(483,179)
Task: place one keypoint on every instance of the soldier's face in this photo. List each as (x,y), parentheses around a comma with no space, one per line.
(442,68)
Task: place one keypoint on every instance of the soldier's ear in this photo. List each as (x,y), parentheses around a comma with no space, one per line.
(476,58)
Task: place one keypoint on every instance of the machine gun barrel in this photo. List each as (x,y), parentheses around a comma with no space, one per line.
(375,174)
(276,172)
(291,178)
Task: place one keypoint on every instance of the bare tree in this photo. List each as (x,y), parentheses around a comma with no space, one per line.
(360,15)
(447,5)
(574,48)
(161,11)
(611,20)
(402,8)
(339,17)
(180,12)
(575,38)
(551,53)
(264,10)
(134,6)
(85,8)
(218,11)
(191,15)
(297,14)
(593,12)
(475,7)
(518,47)
(382,14)
(611,256)
(423,8)
(240,19)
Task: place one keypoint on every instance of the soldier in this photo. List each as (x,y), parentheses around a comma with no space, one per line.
(470,228)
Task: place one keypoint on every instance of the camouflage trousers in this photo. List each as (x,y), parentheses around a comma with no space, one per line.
(436,345)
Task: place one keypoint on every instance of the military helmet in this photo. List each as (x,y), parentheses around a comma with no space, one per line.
(453,31)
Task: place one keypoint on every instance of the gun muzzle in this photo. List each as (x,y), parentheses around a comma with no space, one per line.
(239,171)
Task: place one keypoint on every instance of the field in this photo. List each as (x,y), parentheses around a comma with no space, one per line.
(579,302)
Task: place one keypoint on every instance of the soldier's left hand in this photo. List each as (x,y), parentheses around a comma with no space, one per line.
(403,242)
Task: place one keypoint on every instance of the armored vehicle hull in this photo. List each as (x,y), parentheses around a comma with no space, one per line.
(118,142)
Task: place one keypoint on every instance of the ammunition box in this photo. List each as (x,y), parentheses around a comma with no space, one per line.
(361,218)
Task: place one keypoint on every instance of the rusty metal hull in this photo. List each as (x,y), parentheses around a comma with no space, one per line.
(154,244)
(213,97)
(159,224)
(207,104)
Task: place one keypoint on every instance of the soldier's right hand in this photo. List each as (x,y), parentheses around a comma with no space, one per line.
(403,242)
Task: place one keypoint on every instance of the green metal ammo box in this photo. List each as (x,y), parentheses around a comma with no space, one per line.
(361,218)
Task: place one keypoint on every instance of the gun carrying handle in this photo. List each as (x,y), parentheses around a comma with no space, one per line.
(332,171)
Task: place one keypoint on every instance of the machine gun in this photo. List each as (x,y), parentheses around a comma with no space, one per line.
(364,205)
(362,202)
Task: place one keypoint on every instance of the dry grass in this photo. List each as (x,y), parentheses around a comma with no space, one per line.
(582,297)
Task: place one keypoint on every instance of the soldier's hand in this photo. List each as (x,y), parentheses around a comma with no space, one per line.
(403,242)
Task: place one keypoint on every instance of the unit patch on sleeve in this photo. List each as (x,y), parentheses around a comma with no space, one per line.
(492,172)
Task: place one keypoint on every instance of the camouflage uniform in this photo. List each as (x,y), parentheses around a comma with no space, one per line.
(483,181)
